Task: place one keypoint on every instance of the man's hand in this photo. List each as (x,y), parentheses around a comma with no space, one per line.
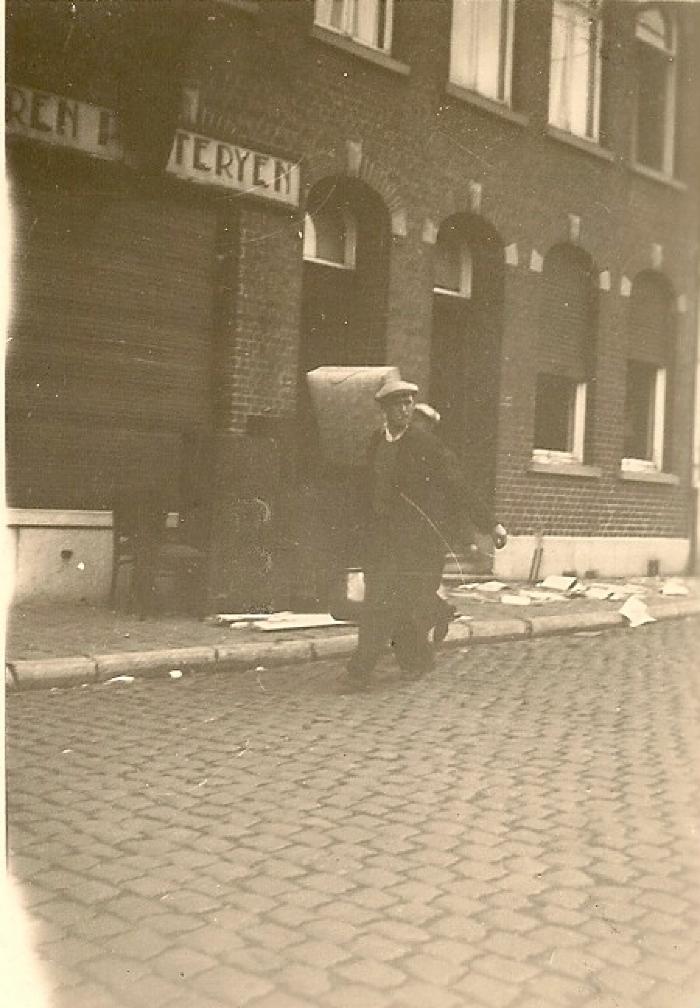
(499,536)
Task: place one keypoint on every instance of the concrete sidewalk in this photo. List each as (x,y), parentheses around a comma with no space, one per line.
(54,645)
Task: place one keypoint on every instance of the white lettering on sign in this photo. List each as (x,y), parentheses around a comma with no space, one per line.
(213,162)
(64,122)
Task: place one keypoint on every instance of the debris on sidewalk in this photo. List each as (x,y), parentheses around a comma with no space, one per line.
(299,621)
(635,611)
(540,596)
(558,582)
(521,599)
(120,678)
(600,592)
(674,588)
(175,673)
(239,618)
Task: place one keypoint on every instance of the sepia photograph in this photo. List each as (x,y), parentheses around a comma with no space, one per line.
(352,504)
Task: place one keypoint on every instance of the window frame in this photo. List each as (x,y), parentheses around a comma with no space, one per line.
(576,434)
(561,118)
(506,37)
(466,270)
(657,408)
(669,125)
(309,248)
(349,28)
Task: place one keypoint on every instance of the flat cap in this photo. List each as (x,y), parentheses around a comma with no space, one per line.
(395,387)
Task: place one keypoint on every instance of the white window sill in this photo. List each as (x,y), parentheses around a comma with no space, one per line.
(452,293)
(648,476)
(349,45)
(486,104)
(329,262)
(564,467)
(580,143)
(51,518)
(657,176)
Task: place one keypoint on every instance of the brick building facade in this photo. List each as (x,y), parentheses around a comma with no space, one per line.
(499,198)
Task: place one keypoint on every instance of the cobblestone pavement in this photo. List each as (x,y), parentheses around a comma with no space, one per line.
(519,829)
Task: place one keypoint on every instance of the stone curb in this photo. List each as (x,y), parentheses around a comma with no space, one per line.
(143,662)
(29,674)
(53,671)
(571,622)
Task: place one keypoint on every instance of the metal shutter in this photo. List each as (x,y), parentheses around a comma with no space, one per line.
(109,367)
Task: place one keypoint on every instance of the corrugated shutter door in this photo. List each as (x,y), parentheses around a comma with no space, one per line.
(649,320)
(110,358)
(566,316)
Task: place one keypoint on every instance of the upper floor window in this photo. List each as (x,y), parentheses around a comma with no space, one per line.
(453,264)
(655,32)
(481,53)
(575,67)
(368,22)
(330,237)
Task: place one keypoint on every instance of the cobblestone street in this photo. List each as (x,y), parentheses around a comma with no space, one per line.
(518,829)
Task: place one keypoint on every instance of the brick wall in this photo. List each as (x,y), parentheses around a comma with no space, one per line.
(422,149)
(427,153)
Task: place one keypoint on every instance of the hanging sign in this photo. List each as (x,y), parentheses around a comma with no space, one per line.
(214,162)
(65,122)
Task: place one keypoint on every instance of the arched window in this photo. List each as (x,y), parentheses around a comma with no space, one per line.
(330,237)
(564,357)
(481,52)
(656,38)
(453,264)
(346,246)
(575,67)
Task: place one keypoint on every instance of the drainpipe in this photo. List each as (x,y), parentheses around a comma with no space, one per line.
(694,560)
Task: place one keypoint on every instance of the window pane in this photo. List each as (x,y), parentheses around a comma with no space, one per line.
(639,410)
(651,110)
(463,47)
(330,235)
(558,68)
(574,74)
(488,47)
(479,46)
(365,28)
(337,14)
(651,27)
(554,407)
(452,263)
(580,63)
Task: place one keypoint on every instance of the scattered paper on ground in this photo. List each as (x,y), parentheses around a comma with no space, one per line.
(492,586)
(537,595)
(558,582)
(521,600)
(598,592)
(241,617)
(299,621)
(635,611)
(674,588)
(121,678)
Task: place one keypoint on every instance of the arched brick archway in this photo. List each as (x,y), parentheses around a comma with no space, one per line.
(466,342)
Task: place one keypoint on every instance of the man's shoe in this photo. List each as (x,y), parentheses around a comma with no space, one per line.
(440,631)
